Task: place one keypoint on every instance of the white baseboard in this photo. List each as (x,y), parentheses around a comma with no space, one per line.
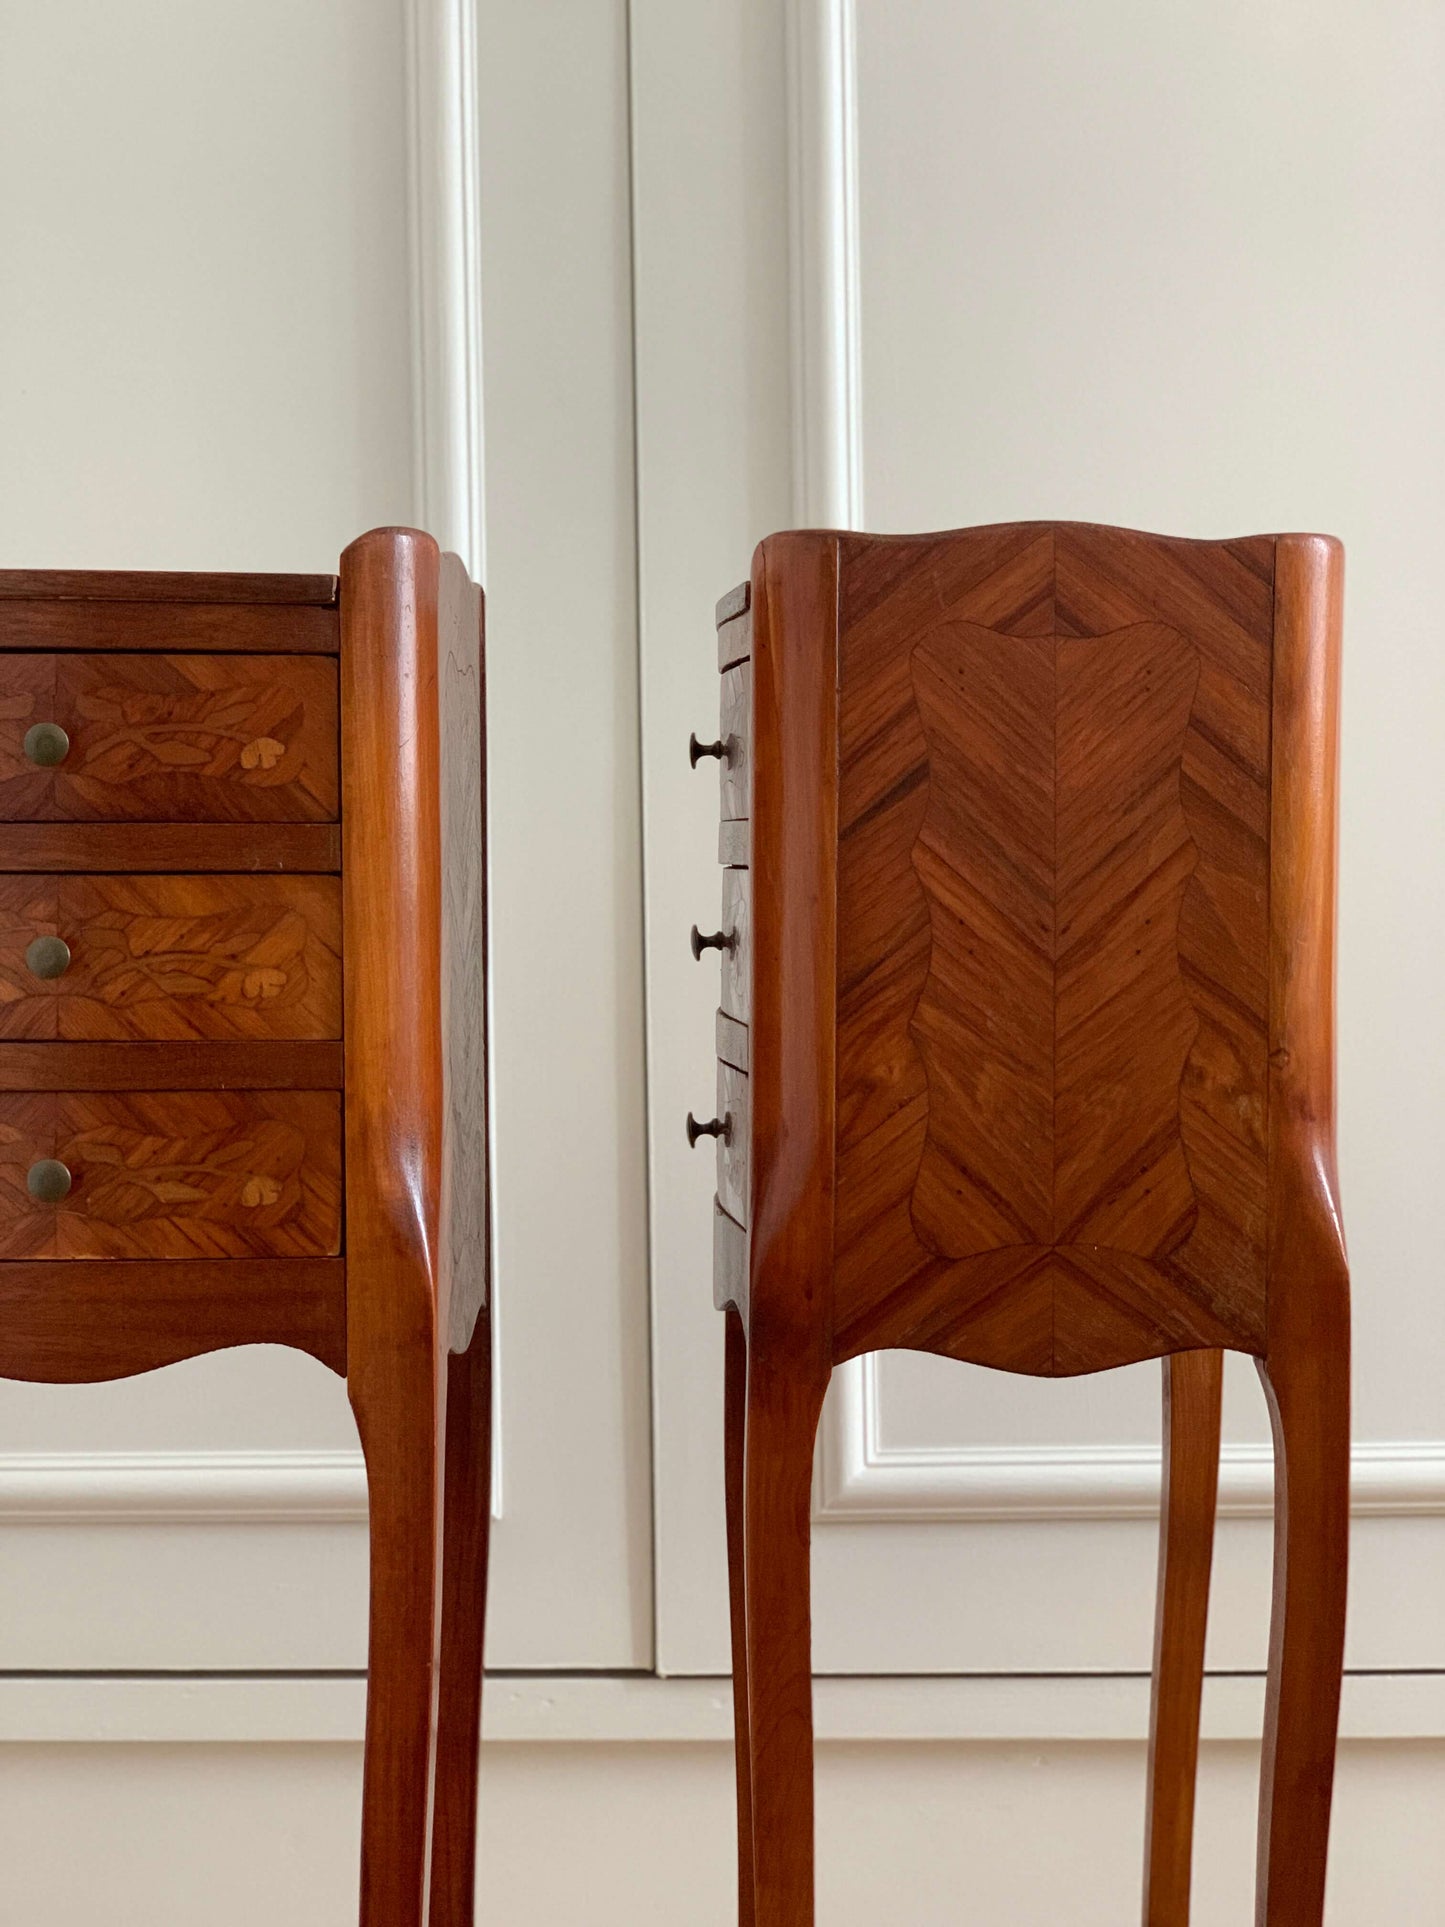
(182,1488)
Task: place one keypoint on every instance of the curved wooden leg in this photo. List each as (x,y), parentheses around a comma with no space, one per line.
(466,1522)
(1309,1399)
(399,1408)
(1193,1388)
(783,1402)
(735,1404)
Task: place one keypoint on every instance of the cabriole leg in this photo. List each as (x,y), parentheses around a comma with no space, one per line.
(782,1419)
(1309,1398)
(398,1418)
(735,1401)
(466,1521)
(1193,1386)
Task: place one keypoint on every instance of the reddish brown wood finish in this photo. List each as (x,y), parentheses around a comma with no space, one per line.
(1041,848)
(67,1324)
(290,629)
(178,957)
(188,1065)
(178,1067)
(1193,1385)
(174,1174)
(220,738)
(410,1258)
(165,585)
(204,848)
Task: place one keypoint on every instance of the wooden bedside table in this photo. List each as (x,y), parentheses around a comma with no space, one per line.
(1026,1058)
(243,1063)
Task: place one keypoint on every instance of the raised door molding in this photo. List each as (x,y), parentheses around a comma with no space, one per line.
(859,1479)
(450,475)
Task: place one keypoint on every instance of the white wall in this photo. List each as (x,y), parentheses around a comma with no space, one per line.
(607,1836)
(206,361)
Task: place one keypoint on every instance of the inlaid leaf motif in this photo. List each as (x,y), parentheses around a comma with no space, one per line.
(263,752)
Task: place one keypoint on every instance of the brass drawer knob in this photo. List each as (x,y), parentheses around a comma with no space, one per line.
(715,1127)
(47,1180)
(47,956)
(719,940)
(46,744)
(697,750)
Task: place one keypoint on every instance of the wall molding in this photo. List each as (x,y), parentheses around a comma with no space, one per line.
(824,276)
(447,426)
(862,1481)
(182,1488)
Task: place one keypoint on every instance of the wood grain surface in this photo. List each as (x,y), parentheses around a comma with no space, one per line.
(285,628)
(67,1324)
(165,585)
(187,958)
(203,848)
(427,1489)
(1053,890)
(195,738)
(1041,1076)
(292,1065)
(174,1174)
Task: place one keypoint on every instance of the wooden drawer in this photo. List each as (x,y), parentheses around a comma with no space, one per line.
(206,739)
(733,1146)
(736,732)
(737,963)
(734,626)
(172,957)
(174,1174)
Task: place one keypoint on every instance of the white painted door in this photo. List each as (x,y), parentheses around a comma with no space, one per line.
(243,247)
(1179,269)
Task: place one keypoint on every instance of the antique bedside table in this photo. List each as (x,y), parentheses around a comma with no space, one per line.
(1026,1057)
(243,1063)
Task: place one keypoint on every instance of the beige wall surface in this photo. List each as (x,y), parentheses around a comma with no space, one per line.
(602,1836)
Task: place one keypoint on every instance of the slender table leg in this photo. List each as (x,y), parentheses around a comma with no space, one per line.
(1193,1385)
(782,1420)
(1309,1398)
(466,1522)
(735,1400)
(397,1410)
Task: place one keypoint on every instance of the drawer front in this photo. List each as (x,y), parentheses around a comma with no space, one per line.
(171,957)
(173,1174)
(205,739)
(737,964)
(733,1148)
(737,735)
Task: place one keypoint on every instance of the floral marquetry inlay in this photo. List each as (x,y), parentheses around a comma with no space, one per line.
(187,958)
(174,1174)
(202,738)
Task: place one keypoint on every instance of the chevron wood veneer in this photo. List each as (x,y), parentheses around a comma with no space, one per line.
(1052,904)
(1026,1058)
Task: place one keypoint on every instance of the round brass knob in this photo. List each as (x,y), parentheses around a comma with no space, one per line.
(696,750)
(47,956)
(715,1127)
(46,744)
(719,940)
(47,1181)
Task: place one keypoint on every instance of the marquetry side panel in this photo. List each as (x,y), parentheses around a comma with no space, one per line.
(218,738)
(174,1174)
(1052,951)
(183,958)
